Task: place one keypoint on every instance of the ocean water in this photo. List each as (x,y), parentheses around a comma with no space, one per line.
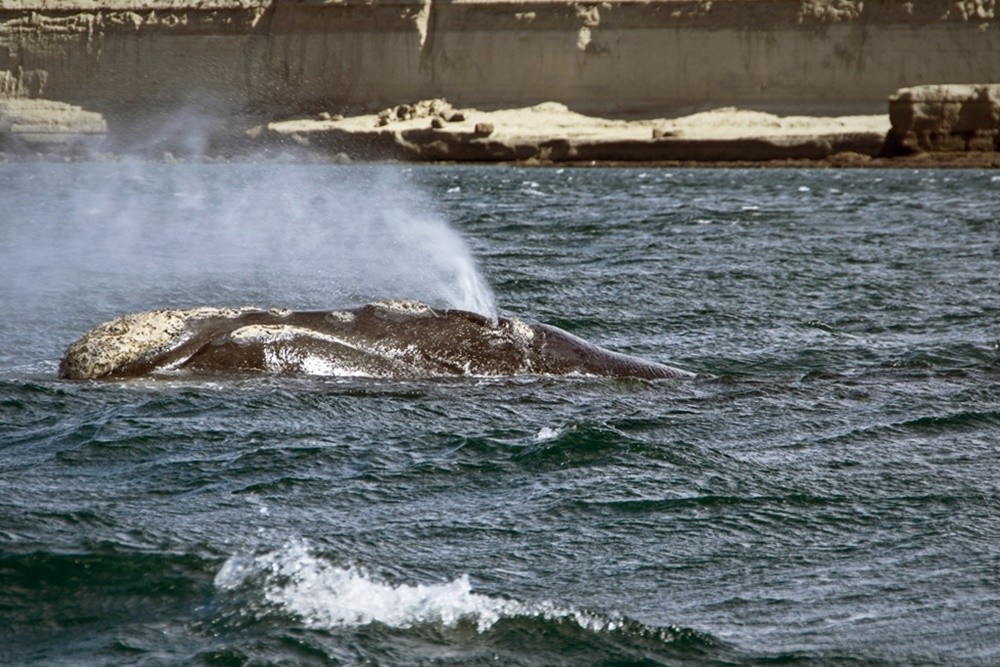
(826,492)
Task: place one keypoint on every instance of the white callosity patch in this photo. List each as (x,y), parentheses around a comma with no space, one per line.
(406,306)
(518,334)
(521,331)
(133,337)
(340,316)
(267,333)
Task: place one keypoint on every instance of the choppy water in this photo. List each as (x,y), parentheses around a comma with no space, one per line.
(830,496)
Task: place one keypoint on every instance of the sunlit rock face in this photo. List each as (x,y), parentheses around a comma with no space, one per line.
(945,118)
(36,124)
(611,57)
(386,339)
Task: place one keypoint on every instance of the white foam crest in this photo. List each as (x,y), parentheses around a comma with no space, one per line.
(323,595)
(547,433)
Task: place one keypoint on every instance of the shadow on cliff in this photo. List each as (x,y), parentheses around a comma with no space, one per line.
(191,132)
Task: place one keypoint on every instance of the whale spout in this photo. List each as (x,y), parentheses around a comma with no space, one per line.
(387,339)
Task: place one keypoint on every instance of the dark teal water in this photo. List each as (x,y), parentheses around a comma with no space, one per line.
(828,494)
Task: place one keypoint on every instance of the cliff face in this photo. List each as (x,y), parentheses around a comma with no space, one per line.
(127,52)
(618,56)
(952,118)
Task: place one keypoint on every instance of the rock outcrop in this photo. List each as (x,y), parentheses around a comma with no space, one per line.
(159,71)
(433,130)
(944,118)
(47,126)
(616,57)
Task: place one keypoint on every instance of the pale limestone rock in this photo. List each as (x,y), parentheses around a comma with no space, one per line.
(945,118)
(36,123)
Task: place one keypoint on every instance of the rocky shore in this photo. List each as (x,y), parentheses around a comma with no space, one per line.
(952,125)
(538,81)
(433,130)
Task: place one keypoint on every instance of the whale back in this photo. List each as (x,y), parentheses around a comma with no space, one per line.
(565,353)
(390,339)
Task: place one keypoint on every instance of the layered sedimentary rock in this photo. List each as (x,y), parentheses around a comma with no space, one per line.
(128,52)
(945,118)
(33,124)
(128,58)
(433,130)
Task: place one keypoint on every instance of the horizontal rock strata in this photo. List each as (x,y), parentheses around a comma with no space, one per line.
(945,118)
(433,130)
(620,56)
(190,76)
(44,125)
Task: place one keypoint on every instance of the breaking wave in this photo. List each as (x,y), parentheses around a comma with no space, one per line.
(293,580)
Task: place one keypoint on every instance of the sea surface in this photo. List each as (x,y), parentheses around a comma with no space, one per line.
(826,492)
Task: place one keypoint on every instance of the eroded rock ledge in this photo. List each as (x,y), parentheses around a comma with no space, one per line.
(154,73)
(49,127)
(950,124)
(433,130)
(122,57)
(945,118)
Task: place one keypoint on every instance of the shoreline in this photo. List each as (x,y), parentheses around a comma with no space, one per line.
(947,161)
(928,127)
(129,58)
(435,131)
(535,81)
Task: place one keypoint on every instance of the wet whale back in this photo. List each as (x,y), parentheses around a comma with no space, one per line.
(374,340)
(566,353)
(392,339)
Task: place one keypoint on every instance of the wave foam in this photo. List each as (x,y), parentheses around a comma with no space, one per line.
(323,595)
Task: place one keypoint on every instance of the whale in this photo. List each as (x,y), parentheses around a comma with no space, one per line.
(392,339)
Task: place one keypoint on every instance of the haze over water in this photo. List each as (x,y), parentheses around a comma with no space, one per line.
(827,494)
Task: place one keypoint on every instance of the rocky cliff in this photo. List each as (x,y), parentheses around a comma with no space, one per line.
(950,118)
(128,59)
